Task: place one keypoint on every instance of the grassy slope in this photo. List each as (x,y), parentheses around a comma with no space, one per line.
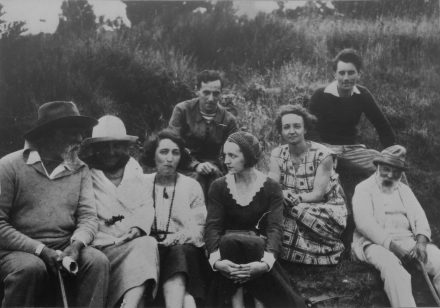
(403,73)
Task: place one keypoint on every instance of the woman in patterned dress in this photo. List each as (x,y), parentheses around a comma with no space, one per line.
(315,212)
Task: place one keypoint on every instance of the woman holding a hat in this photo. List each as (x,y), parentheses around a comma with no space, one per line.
(244,229)
(124,213)
(179,221)
(315,212)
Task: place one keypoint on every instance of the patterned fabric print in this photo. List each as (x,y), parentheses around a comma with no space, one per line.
(312,231)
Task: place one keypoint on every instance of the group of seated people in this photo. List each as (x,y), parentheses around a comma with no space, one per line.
(204,229)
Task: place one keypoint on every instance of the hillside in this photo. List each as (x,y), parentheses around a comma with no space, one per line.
(140,73)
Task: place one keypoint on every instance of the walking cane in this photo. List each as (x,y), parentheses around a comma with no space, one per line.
(63,289)
(428,282)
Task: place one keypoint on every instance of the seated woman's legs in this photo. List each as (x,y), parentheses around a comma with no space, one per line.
(135,297)
(241,249)
(237,299)
(175,294)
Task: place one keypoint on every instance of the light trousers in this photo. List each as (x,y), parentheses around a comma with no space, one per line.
(397,281)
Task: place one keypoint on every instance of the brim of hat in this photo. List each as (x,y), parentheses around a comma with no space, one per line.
(127,138)
(380,160)
(82,122)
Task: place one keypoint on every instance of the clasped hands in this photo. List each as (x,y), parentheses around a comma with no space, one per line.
(291,199)
(241,273)
(175,238)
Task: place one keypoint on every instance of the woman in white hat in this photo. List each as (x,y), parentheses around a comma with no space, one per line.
(125,216)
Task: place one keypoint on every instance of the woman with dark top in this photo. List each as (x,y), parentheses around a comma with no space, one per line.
(243,231)
(178,223)
(315,213)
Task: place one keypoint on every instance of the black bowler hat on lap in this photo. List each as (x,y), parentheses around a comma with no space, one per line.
(59,114)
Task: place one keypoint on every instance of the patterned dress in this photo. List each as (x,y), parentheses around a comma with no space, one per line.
(312,231)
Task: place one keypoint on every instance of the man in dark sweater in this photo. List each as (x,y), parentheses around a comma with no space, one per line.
(204,126)
(47,212)
(339,107)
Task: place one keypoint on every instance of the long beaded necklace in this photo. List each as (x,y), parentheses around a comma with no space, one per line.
(162,235)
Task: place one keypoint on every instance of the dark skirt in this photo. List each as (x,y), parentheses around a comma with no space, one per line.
(188,260)
(272,288)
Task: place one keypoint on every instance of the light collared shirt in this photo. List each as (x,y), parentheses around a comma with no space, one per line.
(34,157)
(332,89)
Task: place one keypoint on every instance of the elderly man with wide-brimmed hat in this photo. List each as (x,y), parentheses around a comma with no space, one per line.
(124,212)
(391,227)
(47,212)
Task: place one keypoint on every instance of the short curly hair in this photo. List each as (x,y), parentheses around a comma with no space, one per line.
(150,146)
(308,118)
(348,55)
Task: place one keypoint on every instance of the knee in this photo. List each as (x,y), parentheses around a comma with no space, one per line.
(178,281)
(146,241)
(95,259)
(31,269)
(229,241)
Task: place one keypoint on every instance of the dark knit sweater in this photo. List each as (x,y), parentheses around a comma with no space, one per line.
(225,214)
(338,117)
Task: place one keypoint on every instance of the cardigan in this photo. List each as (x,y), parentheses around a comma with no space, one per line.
(188,214)
(338,117)
(225,214)
(36,209)
(369,216)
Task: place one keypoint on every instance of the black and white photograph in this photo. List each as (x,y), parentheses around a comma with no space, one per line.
(219,153)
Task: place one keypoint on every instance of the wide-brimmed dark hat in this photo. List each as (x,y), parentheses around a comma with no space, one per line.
(58,114)
(394,155)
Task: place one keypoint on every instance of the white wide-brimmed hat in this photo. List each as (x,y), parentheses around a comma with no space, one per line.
(109,128)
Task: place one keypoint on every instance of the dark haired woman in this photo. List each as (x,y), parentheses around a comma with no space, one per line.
(179,221)
(315,213)
(243,231)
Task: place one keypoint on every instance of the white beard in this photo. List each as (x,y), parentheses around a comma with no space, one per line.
(70,153)
(386,186)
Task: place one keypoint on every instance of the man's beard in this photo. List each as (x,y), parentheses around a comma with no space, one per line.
(387,185)
(70,153)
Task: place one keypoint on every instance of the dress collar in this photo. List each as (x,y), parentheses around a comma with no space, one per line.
(245,200)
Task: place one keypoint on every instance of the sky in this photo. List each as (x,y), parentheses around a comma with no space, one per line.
(43,15)
(252,8)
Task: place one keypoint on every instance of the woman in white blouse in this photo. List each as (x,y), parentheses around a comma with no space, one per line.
(179,221)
